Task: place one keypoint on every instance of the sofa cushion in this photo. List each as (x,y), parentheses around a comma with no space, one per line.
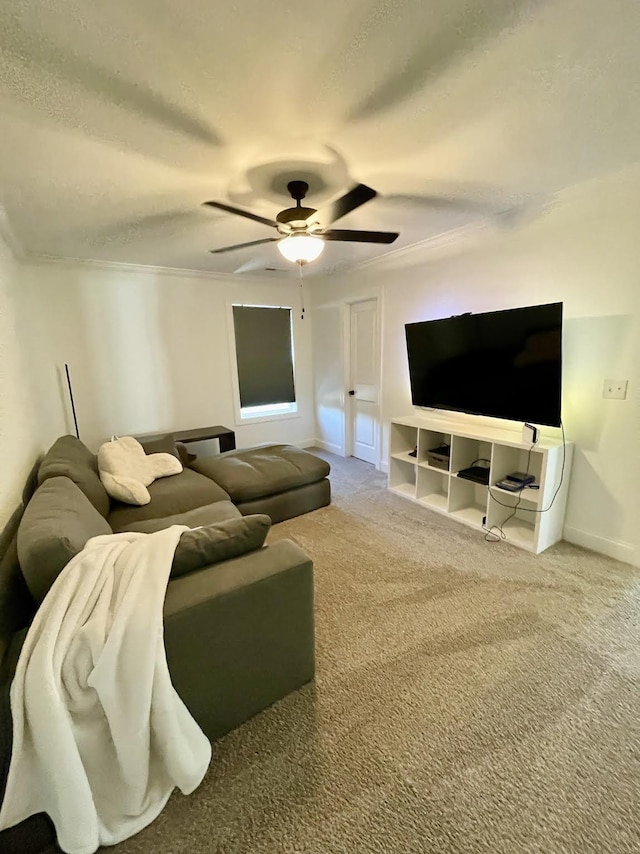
(293,502)
(16,603)
(184,454)
(168,445)
(56,525)
(162,445)
(221,511)
(256,472)
(69,457)
(169,496)
(219,541)
(221,532)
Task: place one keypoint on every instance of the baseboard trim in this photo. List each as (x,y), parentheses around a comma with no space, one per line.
(612,548)
(306,443)
(384,466)
(328,446)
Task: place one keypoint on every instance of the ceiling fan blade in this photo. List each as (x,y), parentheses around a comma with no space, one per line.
(356,196)
(247,214)
(244,245)
(359,236)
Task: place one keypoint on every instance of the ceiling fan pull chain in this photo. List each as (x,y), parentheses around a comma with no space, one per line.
(301,290)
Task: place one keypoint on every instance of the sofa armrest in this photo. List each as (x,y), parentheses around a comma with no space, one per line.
(239,635)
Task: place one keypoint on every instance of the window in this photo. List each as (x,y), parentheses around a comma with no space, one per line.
(264,357)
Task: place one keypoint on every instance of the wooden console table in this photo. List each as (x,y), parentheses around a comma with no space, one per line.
(224,435)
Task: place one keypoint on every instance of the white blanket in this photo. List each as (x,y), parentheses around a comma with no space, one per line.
(100,737)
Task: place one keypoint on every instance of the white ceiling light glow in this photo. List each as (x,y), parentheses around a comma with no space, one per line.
(301,248)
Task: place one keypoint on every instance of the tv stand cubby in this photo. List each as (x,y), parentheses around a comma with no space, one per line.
(477,505)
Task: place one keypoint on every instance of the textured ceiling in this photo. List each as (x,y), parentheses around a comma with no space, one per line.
(120,118)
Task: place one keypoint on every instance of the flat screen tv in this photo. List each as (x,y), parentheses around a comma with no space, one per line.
(504,364)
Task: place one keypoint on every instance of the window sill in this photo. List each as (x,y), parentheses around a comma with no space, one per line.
(260,419)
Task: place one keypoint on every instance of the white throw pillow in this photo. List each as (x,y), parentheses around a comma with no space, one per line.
(126,471)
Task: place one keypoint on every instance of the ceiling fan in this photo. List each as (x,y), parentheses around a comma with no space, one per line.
(301,236)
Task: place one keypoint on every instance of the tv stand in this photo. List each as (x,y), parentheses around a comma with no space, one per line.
(472,503)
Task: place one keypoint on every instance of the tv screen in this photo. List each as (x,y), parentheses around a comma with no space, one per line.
(504,364)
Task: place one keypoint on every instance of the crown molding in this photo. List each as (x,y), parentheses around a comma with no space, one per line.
(10,237)
(126,267)
(385,260)
(433,244)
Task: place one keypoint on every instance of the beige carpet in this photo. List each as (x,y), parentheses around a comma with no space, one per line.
(469,698)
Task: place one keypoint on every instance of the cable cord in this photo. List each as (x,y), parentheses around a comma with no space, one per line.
(514,508)
(544,509)
(502,536)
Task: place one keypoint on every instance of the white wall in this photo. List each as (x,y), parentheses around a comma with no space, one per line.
(583,251)
(19,428)
(149,351)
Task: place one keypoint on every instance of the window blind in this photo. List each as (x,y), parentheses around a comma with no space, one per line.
(264,355)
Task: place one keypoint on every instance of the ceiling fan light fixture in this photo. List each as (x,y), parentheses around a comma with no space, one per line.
(301,248)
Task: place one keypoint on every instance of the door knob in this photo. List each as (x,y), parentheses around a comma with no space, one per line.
(352,391)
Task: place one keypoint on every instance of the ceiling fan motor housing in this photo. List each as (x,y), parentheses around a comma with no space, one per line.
(298,190)
(296,217)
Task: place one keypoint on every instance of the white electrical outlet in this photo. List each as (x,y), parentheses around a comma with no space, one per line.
(615,389)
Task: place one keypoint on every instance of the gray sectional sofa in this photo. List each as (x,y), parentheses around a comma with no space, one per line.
(238,615)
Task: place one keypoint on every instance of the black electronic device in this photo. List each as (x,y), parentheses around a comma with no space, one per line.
(521,477)
(504,364)
(478,474)
(510,485)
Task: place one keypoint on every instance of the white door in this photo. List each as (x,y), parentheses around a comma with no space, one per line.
(364,370)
